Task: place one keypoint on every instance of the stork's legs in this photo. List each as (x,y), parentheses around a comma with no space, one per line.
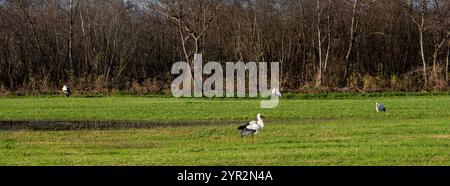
(253,139)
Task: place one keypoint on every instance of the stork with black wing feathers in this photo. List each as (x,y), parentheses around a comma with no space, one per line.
(253,127)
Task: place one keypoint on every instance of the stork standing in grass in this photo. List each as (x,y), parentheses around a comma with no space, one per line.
(253,127)
(66,90)
(380,107)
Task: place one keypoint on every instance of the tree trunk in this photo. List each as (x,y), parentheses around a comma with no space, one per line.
(10,77)
(304,49)
(329,36)
(319,46)
(183,45)
(422,53)
(446,63)
(196,45)
(70,52)
(435,56)
(350,45)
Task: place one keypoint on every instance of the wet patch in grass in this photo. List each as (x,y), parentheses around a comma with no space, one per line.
(103,125)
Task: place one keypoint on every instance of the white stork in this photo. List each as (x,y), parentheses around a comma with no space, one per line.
(66,90)
(276,92)
(380,107)
(252,127)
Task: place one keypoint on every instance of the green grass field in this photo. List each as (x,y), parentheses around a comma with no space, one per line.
(414,131)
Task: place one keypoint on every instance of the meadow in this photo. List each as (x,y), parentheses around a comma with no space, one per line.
(318,131)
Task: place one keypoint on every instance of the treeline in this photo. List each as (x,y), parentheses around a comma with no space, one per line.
(103,46)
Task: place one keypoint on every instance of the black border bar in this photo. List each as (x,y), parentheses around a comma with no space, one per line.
(278,175)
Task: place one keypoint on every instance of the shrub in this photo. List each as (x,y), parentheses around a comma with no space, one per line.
(4,91)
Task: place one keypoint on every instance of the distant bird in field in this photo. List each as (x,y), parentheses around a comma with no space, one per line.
(66,90)
(380,107)
(276,92)
(252,127)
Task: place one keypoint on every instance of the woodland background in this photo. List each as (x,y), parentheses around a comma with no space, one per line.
(108,46)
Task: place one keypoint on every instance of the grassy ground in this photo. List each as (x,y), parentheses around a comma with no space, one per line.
(414,131)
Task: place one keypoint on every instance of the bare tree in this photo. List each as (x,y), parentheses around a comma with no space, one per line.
(329,35)
(353,26)
(446,62)
(191,18)
(435,55)
(73,5)
(421,29)
(319,44)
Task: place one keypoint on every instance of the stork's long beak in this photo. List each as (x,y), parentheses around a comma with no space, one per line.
(263,117)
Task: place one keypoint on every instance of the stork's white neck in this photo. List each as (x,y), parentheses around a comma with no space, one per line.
(260,121)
